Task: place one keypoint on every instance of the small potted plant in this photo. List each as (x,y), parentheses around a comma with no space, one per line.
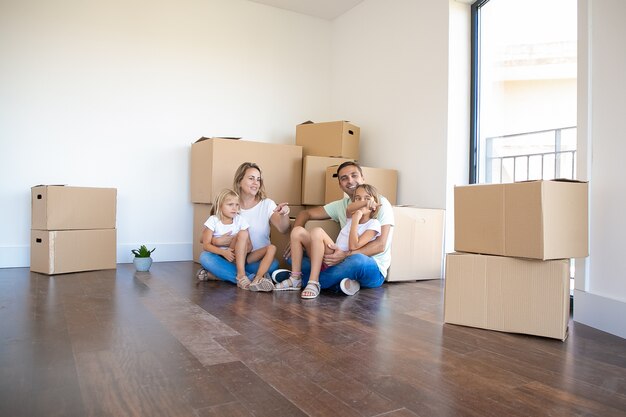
(142,260)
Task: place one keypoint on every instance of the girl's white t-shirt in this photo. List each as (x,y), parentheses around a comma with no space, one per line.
(343,239)
(220,229)
(258,218)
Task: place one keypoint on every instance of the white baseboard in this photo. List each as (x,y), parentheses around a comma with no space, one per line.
(19,256)
(165,252)
(600,312)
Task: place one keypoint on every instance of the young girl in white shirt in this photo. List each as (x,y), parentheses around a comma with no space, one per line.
(226,219)
(361,228)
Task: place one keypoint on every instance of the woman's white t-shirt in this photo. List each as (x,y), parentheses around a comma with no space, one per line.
(258,218)
(220,229)
(343,239)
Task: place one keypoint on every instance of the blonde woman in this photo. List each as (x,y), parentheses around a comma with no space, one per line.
(259,211)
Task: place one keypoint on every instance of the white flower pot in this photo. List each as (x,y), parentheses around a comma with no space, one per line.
(142,264)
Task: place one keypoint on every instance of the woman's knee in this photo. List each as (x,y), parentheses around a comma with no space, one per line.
(205,259)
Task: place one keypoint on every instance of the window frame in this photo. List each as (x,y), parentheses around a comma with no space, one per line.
(474,90)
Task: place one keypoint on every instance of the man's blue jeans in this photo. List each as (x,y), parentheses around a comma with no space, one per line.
(227,271)
(359,267)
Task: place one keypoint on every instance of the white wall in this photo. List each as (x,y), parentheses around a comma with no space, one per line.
(600,295)
(458,109)
(112,93)
(390,77)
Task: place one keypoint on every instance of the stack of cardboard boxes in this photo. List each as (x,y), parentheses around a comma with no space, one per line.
(511,271)
(72,229)
(304,175)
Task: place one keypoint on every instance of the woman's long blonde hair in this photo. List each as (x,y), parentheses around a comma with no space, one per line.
(241,172)
(219,201)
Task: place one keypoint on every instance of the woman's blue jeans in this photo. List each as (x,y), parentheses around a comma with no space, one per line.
(227,271)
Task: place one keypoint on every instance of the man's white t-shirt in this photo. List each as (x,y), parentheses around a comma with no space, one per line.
(220,229)
(343,239)
(258,218)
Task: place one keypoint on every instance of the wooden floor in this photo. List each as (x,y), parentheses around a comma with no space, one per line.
(120,343)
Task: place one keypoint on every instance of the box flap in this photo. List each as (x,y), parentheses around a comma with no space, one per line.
(553,180)
(217,137)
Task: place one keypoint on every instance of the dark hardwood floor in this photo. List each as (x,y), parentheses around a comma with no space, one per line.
(120,343)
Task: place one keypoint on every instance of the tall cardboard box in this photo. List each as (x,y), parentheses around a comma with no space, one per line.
(532,219)
(385,181)
(417,246)
(314,177)
(63,251)
(508,294)
(215,160)
(337,139)
(59,207)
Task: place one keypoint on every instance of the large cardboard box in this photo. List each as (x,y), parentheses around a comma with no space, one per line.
(417,246)
(314,177)
(281,240)
(385,181)
(338,139)
(533,219)
(215,160)
(59,207)
(508,294)
(201,213)
(63,251)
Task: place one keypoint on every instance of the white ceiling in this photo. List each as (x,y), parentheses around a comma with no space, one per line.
(325,9)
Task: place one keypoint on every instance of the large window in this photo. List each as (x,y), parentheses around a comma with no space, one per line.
(523,90)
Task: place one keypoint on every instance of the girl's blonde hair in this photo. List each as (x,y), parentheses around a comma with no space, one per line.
(373,192)
(219,201)
(241,172)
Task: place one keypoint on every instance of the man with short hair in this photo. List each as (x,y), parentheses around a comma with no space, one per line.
(366,267)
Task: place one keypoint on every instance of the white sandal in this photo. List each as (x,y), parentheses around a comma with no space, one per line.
(313,287)
(243,282)
(290,284)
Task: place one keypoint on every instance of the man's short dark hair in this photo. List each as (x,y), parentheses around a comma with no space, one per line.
(347,164)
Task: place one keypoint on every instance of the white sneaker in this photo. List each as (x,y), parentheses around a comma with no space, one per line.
(349,286)
(280,275)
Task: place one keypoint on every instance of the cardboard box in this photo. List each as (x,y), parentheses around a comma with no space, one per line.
(215,160)
(337,139)
(508,294)
(385,181)
(314,177)
(281,240)
(59,207)
(201,213)
(417,246)
(532,219)
(62,251)
(295,210)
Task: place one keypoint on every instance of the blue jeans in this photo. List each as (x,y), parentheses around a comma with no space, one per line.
(359,267)
(227,271)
